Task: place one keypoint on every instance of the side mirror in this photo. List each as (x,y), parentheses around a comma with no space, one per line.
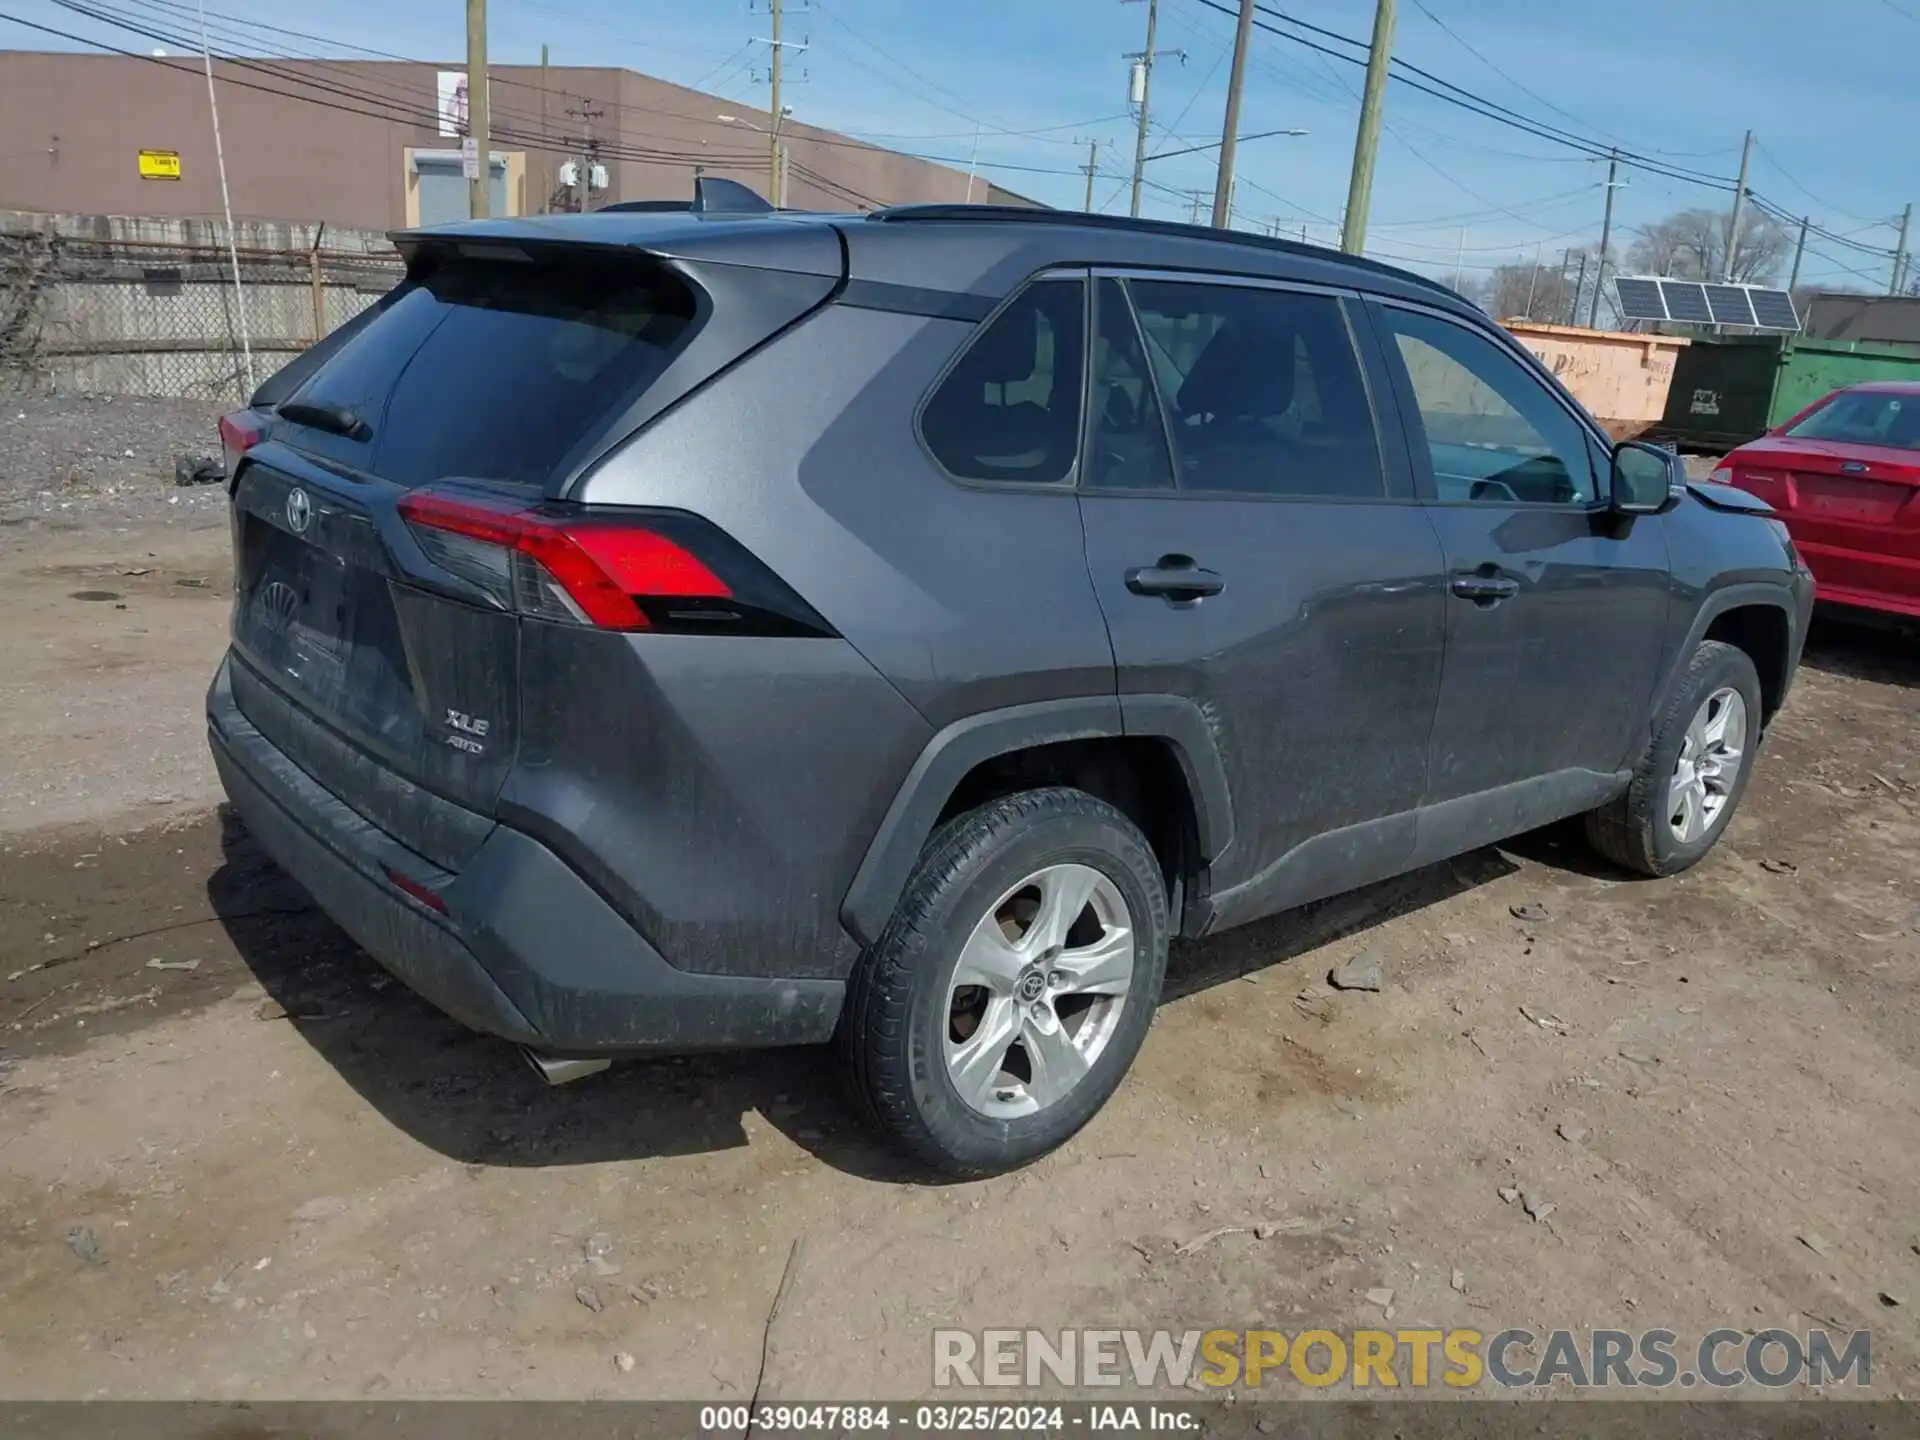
(1647,480)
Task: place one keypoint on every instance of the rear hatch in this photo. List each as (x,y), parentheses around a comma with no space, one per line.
(1860,496)
(401,512)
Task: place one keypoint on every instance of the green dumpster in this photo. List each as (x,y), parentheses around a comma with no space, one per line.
(1727,392)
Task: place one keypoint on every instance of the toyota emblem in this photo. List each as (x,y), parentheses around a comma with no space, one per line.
(299,510)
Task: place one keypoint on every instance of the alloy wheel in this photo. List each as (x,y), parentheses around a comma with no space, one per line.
(1709,766)
(1039,991)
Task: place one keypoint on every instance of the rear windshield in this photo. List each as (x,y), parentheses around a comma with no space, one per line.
(496,370)
(1865,417)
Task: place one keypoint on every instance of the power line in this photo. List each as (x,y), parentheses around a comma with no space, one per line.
(1543,202)
(1467,100)
(388,108)
(1036,132)
(1838,265)
(392,108)
(1462,43)
(1000,127)
(1774,161)
(1411,69)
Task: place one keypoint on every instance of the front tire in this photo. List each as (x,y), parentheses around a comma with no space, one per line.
(1694,772)
(1013,986)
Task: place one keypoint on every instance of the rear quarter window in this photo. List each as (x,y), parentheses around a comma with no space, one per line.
(1009,409)
(497,370)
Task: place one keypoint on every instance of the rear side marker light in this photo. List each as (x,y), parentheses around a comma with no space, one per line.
(410,886)
(610,569)
(239,433)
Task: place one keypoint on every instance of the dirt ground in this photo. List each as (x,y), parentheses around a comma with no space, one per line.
(302,1182)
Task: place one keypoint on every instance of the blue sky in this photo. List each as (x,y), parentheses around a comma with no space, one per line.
(1827,88)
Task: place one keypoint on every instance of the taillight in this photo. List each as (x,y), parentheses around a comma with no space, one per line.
(1722,474)
(611,569)
(239,433)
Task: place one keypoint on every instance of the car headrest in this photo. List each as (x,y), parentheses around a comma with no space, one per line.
(1237,376)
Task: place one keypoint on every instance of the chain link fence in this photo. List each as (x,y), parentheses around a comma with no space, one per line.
(87,307)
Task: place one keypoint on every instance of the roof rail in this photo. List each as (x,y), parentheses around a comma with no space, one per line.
(1081,219)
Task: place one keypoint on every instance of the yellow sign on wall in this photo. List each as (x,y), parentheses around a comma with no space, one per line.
(159,164)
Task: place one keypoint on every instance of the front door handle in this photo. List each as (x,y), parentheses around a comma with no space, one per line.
(1484,587)
(1176,579)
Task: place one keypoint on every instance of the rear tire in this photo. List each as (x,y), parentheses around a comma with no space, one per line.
(941,1063)
(1687,784)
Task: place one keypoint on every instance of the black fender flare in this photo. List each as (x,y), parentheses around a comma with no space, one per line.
(955,750)
(1736,596)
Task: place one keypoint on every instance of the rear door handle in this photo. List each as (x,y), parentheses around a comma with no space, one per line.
(1175,578)
(1483,588)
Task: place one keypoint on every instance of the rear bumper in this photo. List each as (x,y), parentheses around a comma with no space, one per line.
(527,949)
(1864,579)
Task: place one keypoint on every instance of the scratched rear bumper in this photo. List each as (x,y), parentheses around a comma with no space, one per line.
(526,950)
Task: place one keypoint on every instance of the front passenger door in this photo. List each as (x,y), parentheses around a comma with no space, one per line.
(1556,607)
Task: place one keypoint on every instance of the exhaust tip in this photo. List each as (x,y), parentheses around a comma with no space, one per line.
(558,1071)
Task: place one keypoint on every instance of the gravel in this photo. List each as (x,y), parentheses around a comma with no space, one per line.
(103,462)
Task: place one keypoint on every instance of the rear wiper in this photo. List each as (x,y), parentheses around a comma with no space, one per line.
(338,419)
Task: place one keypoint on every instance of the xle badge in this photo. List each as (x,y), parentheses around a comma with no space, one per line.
(468,732)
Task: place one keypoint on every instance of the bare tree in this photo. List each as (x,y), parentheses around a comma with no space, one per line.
(1692,245)
(1526,291)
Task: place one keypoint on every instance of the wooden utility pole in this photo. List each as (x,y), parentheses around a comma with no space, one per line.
(1146,89)
(586,112)
(1230,132)
(1606,239)
(480,182)
(546,154)
(1366,141)
(1093,162)
(1739,210)
(1900,255)
(1579,287)
(774,188)
(1799,251)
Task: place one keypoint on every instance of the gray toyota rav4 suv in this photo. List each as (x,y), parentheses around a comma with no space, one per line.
(666,631)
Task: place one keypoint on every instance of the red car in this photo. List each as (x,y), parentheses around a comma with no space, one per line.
(1845,476)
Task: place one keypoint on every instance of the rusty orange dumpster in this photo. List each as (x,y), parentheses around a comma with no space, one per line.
(1622,379)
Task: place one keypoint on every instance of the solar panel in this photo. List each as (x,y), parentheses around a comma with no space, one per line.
(1687,301)
(1773,309)
(1639,299)
(1729,304)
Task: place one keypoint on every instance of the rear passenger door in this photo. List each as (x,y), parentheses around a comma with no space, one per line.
(1257,552)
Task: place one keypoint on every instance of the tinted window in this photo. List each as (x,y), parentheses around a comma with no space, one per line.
(1128,448)
(1262,390)
(1010,408)
(1495,433)
(495,371)
(1865,417)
